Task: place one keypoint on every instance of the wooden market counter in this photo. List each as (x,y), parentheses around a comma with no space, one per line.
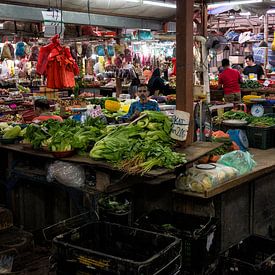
(105,172)
(244,205)
(35,202)
(265,160)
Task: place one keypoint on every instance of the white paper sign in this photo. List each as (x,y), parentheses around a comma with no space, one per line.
(180,125)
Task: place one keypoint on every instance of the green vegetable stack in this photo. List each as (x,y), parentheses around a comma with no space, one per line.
(65,136)
(262,121)
(9,132)
(138,148)
(250,84)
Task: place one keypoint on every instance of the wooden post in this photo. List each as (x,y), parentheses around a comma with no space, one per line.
(204,18)
(184,56)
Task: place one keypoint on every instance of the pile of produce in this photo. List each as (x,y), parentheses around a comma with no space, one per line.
(228,146)
(114,204)
(239,115)
(263,121)
(65,136)
(137,148)
(10,132)
(250,84)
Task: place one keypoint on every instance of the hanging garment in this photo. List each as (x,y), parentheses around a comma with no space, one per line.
(89,50)
(43,55)
(11,50)
(128,55)
(34,53)
(20,49)
(56,62)
(100,50)
(6,54)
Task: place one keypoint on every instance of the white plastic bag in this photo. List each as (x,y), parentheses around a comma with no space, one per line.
(66,173)
(205,176)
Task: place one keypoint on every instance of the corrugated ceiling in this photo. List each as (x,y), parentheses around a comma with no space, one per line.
(111,7)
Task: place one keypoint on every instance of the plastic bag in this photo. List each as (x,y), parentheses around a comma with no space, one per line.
(66,173)
(242,161)
(205,176)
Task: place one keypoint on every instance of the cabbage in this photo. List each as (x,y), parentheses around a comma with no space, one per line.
(12,133)
(3,125)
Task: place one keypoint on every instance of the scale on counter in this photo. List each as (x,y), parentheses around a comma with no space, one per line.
(257,110)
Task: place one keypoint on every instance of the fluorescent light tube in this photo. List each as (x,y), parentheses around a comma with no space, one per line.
(160,4)
(135,1)
(215,5)
(245,13)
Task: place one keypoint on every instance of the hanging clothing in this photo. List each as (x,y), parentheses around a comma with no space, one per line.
(56,62)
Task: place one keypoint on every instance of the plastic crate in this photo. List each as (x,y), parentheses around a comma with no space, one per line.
(253,255)
(260,137)
(198,236)
(117,249)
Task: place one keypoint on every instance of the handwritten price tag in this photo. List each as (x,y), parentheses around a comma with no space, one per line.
(180,125)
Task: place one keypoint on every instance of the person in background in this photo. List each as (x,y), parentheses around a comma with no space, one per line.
(229,80)
(237,67)
(42,109)
(253,68)
(134,83)
(144,103)
(156,83)
(147,73)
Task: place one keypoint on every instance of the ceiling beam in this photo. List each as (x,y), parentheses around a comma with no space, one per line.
(23,13)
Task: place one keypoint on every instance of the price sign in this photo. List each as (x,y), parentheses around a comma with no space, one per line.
(180,125)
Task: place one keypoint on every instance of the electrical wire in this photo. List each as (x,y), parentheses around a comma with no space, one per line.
(61,16)
(89,15)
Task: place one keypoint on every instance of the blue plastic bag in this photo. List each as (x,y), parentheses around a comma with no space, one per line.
(242,161)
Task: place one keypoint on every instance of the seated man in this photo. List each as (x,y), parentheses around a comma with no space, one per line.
(42,109)
(144,103)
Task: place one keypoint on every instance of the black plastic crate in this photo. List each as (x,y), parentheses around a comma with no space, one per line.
(117,249)
(260,137)
(198,235)
(252,256)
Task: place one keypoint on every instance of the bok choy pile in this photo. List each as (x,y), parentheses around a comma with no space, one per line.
(137,148)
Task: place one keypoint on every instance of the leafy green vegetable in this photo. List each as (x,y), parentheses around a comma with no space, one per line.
(13,132)
(138,148)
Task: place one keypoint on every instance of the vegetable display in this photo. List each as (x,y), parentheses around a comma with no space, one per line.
(239,115)
(65,136)
(262,121)
(137,148)
(10,132)
(250,84)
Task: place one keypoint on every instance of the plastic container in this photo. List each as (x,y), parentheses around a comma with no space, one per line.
(260,137)
(116,249)
(116,209)
(253,255)
(198,236)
